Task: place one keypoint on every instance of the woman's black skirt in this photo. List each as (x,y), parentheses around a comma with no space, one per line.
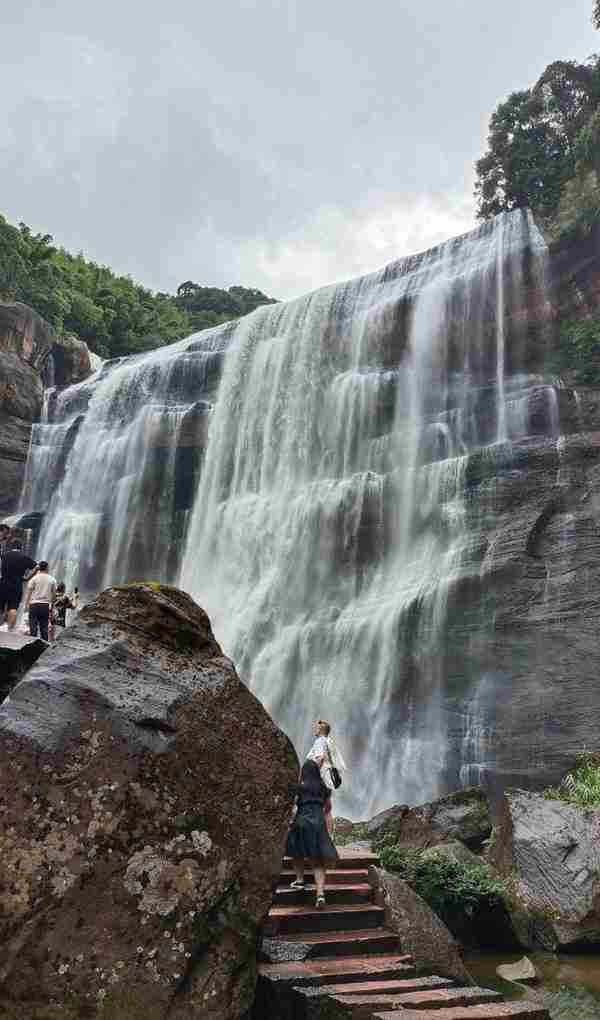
(308,836)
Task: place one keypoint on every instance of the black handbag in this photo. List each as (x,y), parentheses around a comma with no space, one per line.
(336,779)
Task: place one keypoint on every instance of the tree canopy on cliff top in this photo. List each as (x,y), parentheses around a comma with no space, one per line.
(114,315)
(543,148)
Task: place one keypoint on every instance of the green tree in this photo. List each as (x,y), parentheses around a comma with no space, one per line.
(534,139)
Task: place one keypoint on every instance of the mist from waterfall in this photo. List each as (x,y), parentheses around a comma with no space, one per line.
(303,473)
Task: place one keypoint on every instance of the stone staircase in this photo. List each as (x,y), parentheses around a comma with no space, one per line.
(353,968)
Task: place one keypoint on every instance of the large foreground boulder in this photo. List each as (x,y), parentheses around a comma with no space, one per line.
(551,851)
(144,799)
(464,816)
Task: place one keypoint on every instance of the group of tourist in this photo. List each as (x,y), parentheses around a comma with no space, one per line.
(309,841)
(46,601)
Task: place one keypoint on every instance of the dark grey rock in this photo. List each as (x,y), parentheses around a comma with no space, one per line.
(457,852)
(386,821)
(421,932)
(17,654)
(463,816)
(551,852)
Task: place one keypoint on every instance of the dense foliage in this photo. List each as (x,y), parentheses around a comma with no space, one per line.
(581,786)
(451,889)
(209,306)
(543,150)
(111,313)
(597,14)
(577,353)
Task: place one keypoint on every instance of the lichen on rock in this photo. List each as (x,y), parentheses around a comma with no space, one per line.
(131,759)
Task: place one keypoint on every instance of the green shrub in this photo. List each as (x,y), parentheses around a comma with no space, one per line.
(578,351)
(359,834)
(581,786)
(449,888)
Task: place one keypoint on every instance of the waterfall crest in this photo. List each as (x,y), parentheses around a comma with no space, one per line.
(315,455)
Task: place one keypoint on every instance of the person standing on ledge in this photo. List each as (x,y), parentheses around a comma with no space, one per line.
(41,593)
(327,756)
(16,566)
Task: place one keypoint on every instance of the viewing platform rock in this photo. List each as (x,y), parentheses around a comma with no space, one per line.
(17,653)
(341,962)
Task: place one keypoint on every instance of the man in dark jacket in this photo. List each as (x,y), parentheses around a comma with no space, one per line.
(16,566)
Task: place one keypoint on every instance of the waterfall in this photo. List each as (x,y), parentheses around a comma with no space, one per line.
(303,473)
(329,524)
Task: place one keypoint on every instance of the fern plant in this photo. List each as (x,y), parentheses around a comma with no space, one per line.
(580,787)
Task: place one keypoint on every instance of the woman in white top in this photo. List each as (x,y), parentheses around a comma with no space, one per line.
(327,755)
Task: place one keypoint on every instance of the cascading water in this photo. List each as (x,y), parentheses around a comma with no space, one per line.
(328,527)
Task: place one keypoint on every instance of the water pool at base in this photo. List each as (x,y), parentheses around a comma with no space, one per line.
(569,985)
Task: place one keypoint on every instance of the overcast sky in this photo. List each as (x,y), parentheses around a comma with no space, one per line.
(281,145)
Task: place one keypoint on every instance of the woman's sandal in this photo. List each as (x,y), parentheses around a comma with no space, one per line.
(320,902)
(297,884)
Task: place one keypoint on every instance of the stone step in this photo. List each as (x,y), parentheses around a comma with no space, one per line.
(334,894)
(388,986)
(343,876)
(362,1007)
(497,1011)
(344,971)
(348,943)
(342,917)
(347,859)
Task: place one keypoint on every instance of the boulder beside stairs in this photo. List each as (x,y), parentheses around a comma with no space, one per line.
(144,801)
(550,850)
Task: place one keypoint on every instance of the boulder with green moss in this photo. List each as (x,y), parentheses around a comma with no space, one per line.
(145,795)
(463,815)
(549,851)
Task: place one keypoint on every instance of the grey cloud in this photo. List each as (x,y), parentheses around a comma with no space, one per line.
(281,145)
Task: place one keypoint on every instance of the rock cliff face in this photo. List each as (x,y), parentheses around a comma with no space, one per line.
(575,268)
(31,355)
(145,795)
(25,344)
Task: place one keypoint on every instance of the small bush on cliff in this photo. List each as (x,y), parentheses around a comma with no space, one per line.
(578,352)
(580,787)
(449,888)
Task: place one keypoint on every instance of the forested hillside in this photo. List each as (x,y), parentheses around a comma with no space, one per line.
(111,313)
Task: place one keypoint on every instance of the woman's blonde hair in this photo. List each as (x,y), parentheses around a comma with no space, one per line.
(325,726)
